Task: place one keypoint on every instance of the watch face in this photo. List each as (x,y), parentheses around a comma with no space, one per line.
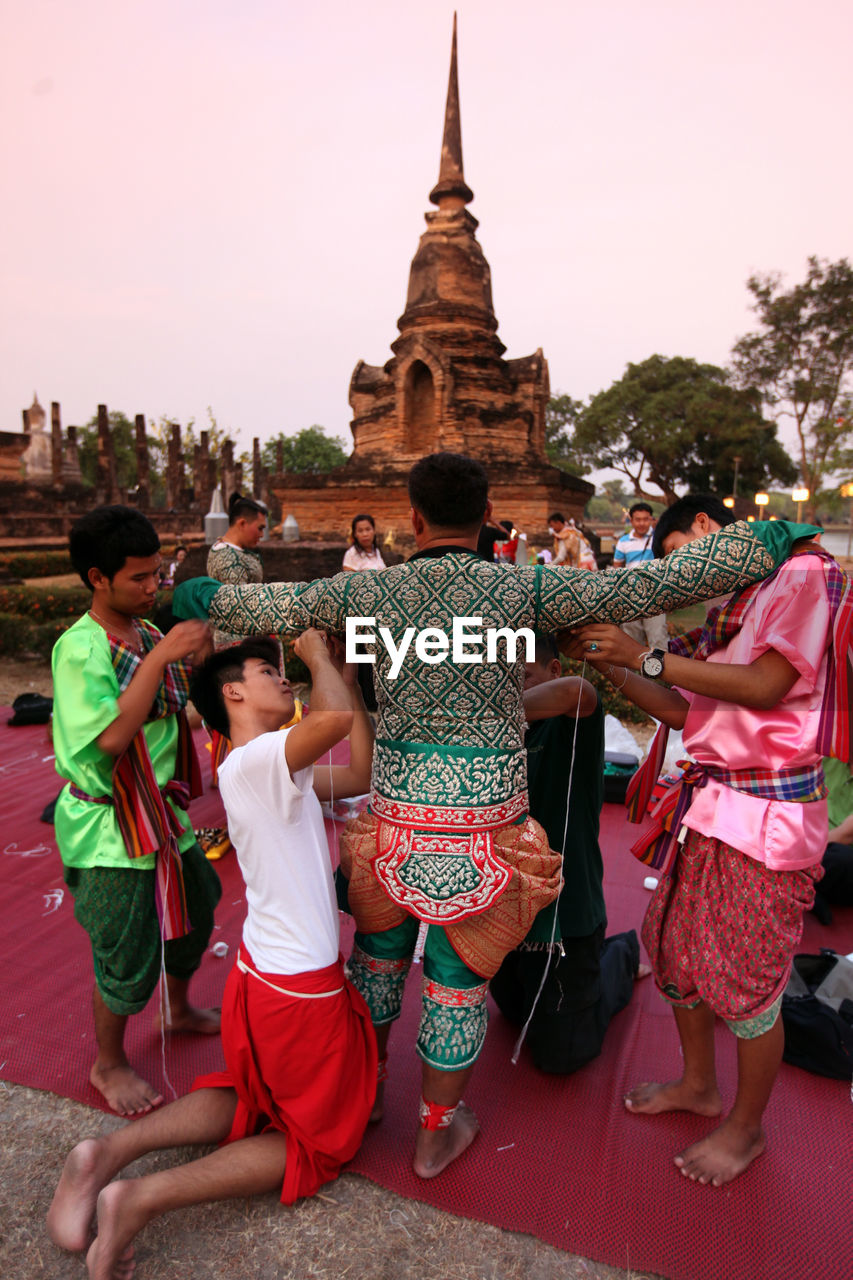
(652,666)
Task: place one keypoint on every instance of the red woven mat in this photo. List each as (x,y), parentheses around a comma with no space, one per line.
(559,1158)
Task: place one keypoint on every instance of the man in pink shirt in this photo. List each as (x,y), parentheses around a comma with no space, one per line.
(742,861)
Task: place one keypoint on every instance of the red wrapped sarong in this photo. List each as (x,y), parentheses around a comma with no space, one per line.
(303,1064)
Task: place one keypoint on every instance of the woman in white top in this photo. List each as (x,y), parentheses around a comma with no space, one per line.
(364,553)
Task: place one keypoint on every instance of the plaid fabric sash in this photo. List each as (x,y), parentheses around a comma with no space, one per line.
(147,824)
(657,846)
(835,730)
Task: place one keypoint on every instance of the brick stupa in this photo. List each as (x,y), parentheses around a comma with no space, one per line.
(447,386)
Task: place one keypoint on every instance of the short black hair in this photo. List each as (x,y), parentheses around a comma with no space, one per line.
(225,667)
(546,649)
(679,518)
(640,506)
(240,505)
(105,537)
(556,515)
(449,490)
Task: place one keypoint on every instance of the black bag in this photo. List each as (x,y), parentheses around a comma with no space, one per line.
(817,1015)
(31,708)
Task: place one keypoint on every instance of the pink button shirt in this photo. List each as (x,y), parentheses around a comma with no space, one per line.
(791,615)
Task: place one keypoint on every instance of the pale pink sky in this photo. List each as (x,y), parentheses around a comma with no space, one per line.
(216,203)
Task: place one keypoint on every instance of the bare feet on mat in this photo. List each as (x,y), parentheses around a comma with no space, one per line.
(70,1218)
(643,971)
(675,1095)
(202,1021)
(435,1149)
(723,1155)
(111,1256)
(125,1091)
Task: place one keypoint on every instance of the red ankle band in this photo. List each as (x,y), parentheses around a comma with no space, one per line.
(382,1070)
(435,1116)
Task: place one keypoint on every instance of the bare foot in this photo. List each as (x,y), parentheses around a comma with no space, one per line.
(70,1217)
(203,1021)
(125,1091)
(111,1256)
(723,1155)
(435,1149)
(643,971)
(674,1095)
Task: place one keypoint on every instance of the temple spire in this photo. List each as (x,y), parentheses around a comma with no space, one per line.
(451,191)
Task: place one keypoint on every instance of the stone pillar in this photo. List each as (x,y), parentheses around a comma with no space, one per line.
(106,489)
(279,456)
(257,478)
(174,469)
(229,476)
(201,472)
(71,464)
(55,442)
(143,470)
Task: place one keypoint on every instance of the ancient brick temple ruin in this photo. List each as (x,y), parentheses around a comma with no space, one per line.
(447,386)
(42,490)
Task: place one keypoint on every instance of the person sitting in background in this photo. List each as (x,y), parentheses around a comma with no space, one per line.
(570,546)
(364,552)
(168,579)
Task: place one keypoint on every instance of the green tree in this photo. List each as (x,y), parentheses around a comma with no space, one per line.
(311,450)
(561,415)
(801,360)
(672,422)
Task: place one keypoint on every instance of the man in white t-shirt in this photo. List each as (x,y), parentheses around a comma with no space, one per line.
(301,1062)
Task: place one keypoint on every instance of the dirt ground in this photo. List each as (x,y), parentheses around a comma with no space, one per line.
(352,1228)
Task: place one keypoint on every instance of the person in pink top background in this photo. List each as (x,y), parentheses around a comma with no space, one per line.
(725,919)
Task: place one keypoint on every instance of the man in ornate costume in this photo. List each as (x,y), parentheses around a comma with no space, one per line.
(447,861)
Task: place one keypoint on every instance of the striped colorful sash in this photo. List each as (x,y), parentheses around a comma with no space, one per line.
(147,824)
(657,846)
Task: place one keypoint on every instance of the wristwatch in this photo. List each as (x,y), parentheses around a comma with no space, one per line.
(651,663)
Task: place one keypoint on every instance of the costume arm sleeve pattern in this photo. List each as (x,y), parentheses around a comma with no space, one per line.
(264,609)
(712,566)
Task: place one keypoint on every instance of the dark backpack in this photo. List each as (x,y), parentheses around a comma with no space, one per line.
(817,1014)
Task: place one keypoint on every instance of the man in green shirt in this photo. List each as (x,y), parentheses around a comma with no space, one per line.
(590,977)
(131,860)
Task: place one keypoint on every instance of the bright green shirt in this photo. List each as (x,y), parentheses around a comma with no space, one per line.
(85,702)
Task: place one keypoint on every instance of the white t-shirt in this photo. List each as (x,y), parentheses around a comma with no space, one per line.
(354,559)
(276,825)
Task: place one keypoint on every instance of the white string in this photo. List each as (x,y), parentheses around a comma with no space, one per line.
(520,1041)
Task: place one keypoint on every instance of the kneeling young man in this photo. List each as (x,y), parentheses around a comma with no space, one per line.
(756,698)
(300,1078)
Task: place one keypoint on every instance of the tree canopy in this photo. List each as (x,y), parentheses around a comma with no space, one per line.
(674,422)
(310,450)
(801,360)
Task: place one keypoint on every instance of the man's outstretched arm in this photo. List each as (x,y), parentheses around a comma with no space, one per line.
(715,565)
(265,608)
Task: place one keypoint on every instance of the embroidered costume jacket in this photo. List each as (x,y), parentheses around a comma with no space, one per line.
(449,767)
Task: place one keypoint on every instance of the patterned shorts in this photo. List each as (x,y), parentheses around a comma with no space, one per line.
(116,907)
(722,929)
